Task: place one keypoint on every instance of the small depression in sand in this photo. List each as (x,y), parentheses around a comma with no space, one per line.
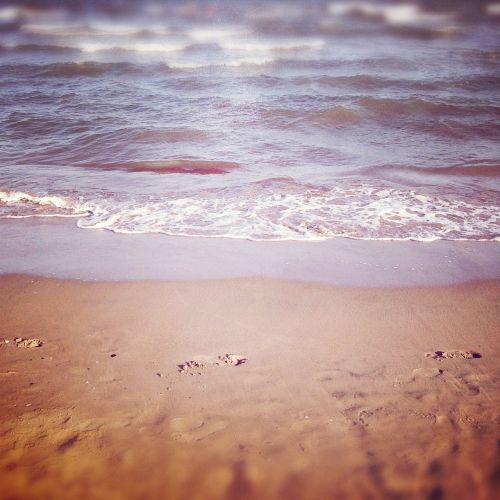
(420,373)
(454,354)
(201,363)
(189,429)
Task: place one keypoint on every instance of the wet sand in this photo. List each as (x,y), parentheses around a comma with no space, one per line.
(57,248)
(248,388)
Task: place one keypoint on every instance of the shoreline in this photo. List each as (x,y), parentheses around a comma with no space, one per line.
(336,397)
(57,248)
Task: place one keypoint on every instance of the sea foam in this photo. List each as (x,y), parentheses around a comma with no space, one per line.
(276,209)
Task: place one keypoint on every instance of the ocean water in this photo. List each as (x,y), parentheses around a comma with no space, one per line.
(274,120)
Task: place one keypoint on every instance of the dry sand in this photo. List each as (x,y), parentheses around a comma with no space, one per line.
(248,388)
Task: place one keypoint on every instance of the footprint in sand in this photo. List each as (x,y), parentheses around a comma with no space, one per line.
(22,342)
(426,373)
(418,374)
(200,363)
(28,343)
(453,354)
(231,360)
(188,429)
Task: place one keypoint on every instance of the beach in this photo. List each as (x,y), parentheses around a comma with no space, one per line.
(249,250)
(331,392)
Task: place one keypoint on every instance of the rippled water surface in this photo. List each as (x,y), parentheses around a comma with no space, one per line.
(259,120)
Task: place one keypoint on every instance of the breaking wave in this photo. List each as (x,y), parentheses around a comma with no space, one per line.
(17,204)
(277,209)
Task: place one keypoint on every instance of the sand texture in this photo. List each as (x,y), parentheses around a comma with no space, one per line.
(247,389)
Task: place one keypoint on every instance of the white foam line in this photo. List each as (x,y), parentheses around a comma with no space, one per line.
(264,213)
(276,239)
(238,63)
(272,45)
(43,215)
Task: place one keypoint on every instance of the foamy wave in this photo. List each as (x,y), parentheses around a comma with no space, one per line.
(216,34)
(167,46)
(270,46)
(17,204)
(9,13)
(91,47)
(120,29)
(235,63)
(405,13)
(278,209)
(493,9)
(60,29)
(97,28)
(20,197)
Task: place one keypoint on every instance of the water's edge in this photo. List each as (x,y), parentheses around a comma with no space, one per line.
(57,248)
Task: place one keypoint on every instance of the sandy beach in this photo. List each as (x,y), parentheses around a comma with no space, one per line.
(249,250)
(247,389)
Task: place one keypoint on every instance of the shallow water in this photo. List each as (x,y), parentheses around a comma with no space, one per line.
(266,121)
